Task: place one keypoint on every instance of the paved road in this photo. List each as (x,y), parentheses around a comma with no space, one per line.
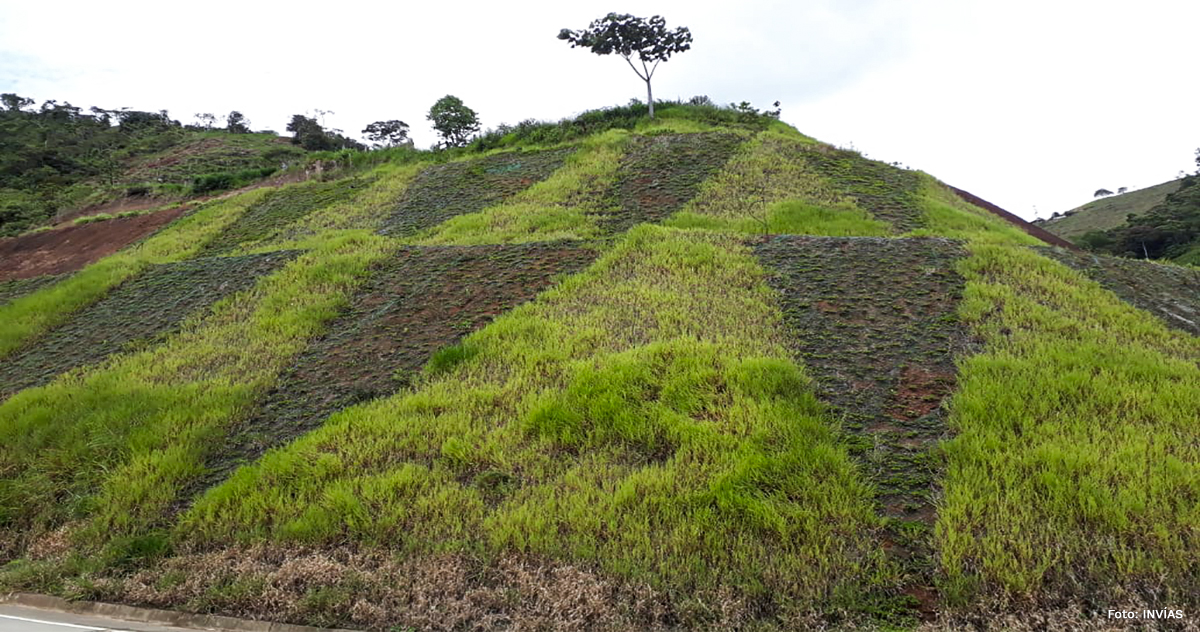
(15,618)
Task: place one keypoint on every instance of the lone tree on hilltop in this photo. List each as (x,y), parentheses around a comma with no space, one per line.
(237,123)
(1102,193)
(387,133)
(629,36)
(454,121)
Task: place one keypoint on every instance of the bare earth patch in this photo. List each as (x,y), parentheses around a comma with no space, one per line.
(68,249)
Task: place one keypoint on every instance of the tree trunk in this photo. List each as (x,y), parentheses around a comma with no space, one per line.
(650,98)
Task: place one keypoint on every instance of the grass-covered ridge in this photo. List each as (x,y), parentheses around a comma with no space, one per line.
(701,372)
(644,417)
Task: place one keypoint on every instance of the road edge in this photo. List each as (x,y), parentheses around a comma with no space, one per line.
(153,615)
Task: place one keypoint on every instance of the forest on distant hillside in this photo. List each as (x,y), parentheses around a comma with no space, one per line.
(1170,230)
(57,156)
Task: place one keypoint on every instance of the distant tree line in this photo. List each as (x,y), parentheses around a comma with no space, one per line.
(46,150)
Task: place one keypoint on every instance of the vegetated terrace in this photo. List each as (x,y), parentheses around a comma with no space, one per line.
(906,414)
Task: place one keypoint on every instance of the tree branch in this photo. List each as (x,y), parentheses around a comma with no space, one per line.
(635,70)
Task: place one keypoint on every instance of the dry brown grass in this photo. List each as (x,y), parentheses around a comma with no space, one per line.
(1070,618)
(376,590)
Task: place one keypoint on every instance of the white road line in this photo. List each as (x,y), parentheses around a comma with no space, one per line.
(65,625)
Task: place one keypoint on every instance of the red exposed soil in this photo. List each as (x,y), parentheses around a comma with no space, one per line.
(1040,233)
(920,392)
(68,249)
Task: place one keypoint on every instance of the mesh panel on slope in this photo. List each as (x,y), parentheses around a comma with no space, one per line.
(422,299)
(1172,293)
(874,322)
(659,174)
(140,311)
(458,188)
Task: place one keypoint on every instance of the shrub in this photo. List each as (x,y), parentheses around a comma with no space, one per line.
(229,179)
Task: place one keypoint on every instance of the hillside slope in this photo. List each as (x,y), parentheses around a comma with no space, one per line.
(58,162)
(699,372)
(1107,212)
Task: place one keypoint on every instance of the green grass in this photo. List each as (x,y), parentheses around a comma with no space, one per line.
(644,422)
(790,217)
(281,207)
(113,446)
(467,186)
(643,416)
(767,187)
(1076,468)
(560,207)
(33,314)
(944,214)
(88,219)
(138,313)
(386,185)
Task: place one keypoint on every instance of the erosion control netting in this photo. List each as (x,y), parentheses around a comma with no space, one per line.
(458,188)
(1170,292)
(16,288)
(421,300)
(886,192)
(280,208)
(135,315)
(661,173)
(874,322)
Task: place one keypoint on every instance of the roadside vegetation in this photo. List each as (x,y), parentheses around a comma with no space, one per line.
(1169,231)
(608,372)
(56,159)
(1107,212)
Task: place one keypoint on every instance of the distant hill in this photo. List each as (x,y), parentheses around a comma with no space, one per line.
(57,160)
(1107,212)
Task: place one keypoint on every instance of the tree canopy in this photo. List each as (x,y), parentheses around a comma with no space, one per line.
(453,121)
(237,123)
(629,36)
(387,133)
(311,135)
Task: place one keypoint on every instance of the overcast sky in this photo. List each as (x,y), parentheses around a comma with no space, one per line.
(1031,104)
